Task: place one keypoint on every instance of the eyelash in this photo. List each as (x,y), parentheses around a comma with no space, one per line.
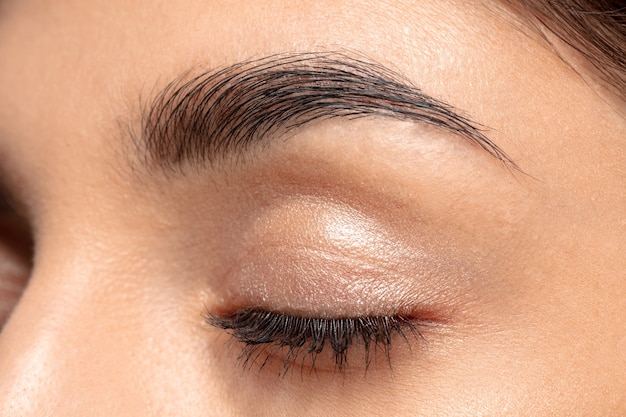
(309,336)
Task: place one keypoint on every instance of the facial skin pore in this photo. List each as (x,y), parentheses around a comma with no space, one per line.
(508,256)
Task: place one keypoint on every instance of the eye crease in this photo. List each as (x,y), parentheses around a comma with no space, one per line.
(300,340)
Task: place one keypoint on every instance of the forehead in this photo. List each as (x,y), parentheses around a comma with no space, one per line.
(130,38)
(117,47)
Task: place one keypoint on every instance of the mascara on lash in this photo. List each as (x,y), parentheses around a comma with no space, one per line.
(306,337)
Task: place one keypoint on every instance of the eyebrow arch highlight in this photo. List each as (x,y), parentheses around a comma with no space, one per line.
(208,117)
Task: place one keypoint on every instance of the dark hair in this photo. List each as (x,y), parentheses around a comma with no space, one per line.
(595,28)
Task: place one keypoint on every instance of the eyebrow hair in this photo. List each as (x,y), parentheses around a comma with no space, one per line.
(205,118)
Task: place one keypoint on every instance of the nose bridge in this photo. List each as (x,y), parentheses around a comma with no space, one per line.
(59,347)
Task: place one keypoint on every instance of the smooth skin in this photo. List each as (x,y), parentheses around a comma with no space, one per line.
(524,270)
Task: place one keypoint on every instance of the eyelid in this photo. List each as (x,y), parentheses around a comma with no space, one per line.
(311,258)
(316,258)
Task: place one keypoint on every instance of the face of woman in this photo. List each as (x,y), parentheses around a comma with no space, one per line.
(307,208)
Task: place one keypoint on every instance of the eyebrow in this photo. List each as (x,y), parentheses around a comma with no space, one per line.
(208,117)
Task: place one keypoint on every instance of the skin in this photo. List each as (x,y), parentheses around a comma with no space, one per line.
(522,273)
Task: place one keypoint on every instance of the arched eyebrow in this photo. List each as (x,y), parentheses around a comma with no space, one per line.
(205,118)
